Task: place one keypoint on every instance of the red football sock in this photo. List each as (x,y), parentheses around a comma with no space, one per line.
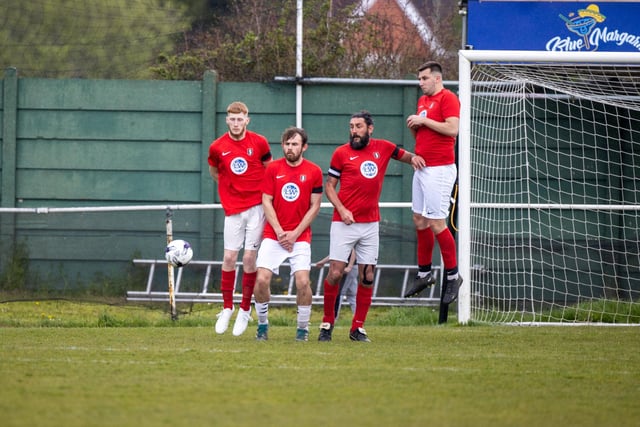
(363,302)
(330,295)
(424,246)
(227,284)
(248,283)
(448,249)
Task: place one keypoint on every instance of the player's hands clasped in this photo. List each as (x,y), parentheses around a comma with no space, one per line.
(286,240)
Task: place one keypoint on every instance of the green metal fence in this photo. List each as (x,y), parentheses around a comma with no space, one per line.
(89,143)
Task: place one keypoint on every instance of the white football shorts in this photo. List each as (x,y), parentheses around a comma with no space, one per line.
(431,190)
(245,227)
(364,237)
(271,256)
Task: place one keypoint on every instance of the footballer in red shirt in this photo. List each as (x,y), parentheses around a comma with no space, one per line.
(291,196)
(435,127)
(237,162)
(358,168)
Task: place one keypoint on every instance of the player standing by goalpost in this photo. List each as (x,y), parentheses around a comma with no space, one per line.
(435,127)
(237,162)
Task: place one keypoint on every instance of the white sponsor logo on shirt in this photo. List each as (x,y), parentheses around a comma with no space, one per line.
(290,192)
(239,165)
(369,169)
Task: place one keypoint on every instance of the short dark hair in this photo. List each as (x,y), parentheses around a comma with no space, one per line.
(292,131)
(433,66)
(364,114)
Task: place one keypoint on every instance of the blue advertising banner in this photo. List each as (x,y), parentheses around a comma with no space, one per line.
(565,26)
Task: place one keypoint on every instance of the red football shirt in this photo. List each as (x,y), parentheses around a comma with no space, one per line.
(361,174)
(291,188)
(435,148)
(240,170)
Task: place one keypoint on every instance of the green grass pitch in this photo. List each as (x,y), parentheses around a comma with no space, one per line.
(65,364)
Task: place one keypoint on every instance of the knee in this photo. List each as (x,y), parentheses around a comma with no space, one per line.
(303,288)
(229,260)
(367,275)
(303,284)
(262,282)
(333,276)
(438,226)
(261,290)
(249,260)
(419,221)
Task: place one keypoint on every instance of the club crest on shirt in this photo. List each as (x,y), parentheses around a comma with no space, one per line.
(290,192)
(239,165)
(369,169)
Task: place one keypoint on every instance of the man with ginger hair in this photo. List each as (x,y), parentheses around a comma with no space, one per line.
(237,163)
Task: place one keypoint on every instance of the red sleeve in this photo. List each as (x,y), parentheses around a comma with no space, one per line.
(450,106)
(318,180)
(266,149)
(337,163)
(268,181)
(398,153)
(213,157)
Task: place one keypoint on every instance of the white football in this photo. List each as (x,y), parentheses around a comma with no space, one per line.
(178,253)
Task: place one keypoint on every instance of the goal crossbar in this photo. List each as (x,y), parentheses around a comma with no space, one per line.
(551,57)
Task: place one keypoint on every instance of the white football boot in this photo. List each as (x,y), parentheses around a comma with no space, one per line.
(223,320)
(241,322)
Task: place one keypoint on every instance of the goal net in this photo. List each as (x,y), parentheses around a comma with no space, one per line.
(549,208)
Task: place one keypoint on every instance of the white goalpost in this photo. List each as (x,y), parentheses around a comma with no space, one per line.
(549,187)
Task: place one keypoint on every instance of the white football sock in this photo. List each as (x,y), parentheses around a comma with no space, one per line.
(262,309)
(304,315)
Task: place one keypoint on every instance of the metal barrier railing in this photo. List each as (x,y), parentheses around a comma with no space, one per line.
(205,295)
